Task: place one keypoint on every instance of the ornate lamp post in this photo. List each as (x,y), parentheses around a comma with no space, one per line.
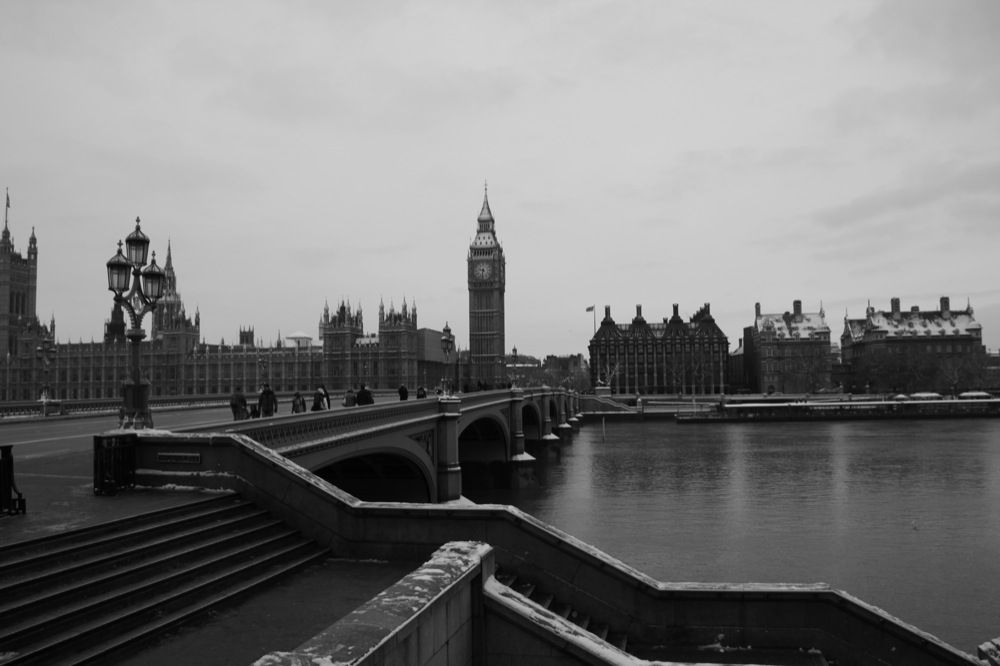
(514,356)
(46,353)
(147,288)
(447,345)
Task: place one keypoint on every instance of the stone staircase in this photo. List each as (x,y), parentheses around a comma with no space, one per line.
(564,610)
(688,654)
(85,596)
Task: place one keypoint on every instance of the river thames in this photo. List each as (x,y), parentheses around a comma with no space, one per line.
(904,515)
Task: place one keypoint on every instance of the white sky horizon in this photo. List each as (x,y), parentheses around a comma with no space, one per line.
(297,154)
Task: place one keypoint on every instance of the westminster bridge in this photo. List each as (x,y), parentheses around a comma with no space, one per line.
(410,450)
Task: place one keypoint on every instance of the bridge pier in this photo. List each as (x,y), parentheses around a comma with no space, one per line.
(573,408)
(449,471)
(564,431)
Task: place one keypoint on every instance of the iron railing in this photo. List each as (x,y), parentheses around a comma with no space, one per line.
(114,463)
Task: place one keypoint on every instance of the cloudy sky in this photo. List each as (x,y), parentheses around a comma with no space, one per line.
(298,153)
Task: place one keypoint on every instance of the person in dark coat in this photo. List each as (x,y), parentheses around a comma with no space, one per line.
(298,403)
(238,403)
(403,393)
(421,392)
(267,404)
(365,396)
(319,400)
(350,400)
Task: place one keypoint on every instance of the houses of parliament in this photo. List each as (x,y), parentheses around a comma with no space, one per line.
(177,361)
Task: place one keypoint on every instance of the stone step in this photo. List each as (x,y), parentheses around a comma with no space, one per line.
(112,589)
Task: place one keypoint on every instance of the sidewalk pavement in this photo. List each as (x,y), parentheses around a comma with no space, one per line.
(59,493)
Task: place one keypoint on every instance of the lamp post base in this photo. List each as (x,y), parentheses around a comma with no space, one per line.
(135,412)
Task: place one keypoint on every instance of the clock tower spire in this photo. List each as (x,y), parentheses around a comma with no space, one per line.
(487,283)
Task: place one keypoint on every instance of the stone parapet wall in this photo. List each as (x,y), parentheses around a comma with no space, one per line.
(428,617)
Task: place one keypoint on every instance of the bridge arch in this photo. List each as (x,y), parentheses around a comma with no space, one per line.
(485,439)
(532,422)
(395,470)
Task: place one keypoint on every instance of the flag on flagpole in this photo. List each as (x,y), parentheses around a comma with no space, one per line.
(589,309)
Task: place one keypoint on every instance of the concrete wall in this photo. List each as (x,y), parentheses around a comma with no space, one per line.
(788,616)
(429,618)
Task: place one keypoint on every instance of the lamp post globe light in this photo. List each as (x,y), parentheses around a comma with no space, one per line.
(146,290)
(447,345)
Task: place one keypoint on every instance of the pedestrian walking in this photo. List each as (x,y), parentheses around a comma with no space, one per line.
(267,403)
(365,396)
(298,403)
(350,400)
(403,393)
(238,403)
(319,400)
(421,392)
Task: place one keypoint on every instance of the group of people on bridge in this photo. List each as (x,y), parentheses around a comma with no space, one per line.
(267,401)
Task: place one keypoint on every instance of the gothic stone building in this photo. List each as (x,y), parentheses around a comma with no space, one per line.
(177,362)
(18,286)
(670,357)
(787,352)
(917,350)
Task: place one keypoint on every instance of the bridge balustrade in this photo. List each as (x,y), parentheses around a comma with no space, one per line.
(296,430)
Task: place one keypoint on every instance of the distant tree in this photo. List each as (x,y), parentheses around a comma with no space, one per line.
(810,365)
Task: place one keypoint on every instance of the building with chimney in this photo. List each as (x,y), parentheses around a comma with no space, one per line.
(787,352)
(672,356)
(914,350)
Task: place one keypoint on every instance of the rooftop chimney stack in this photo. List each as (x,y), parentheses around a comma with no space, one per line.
(895,309)
(945,307)
(676,310)
(797,310)
(756,308)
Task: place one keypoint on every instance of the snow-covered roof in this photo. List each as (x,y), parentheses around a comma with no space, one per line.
(854,328)
(786,325)
(923,323)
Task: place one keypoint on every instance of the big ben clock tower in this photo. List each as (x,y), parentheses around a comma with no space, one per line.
(487,282)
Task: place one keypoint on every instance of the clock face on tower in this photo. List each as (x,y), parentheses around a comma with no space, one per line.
(482,270)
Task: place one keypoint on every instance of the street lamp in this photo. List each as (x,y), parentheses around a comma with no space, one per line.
(45,353)
(447,345)
(514,356)
(147,288)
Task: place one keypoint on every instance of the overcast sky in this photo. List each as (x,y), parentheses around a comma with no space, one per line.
(298,153)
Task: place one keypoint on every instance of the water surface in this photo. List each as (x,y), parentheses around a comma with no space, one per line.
(904,515)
